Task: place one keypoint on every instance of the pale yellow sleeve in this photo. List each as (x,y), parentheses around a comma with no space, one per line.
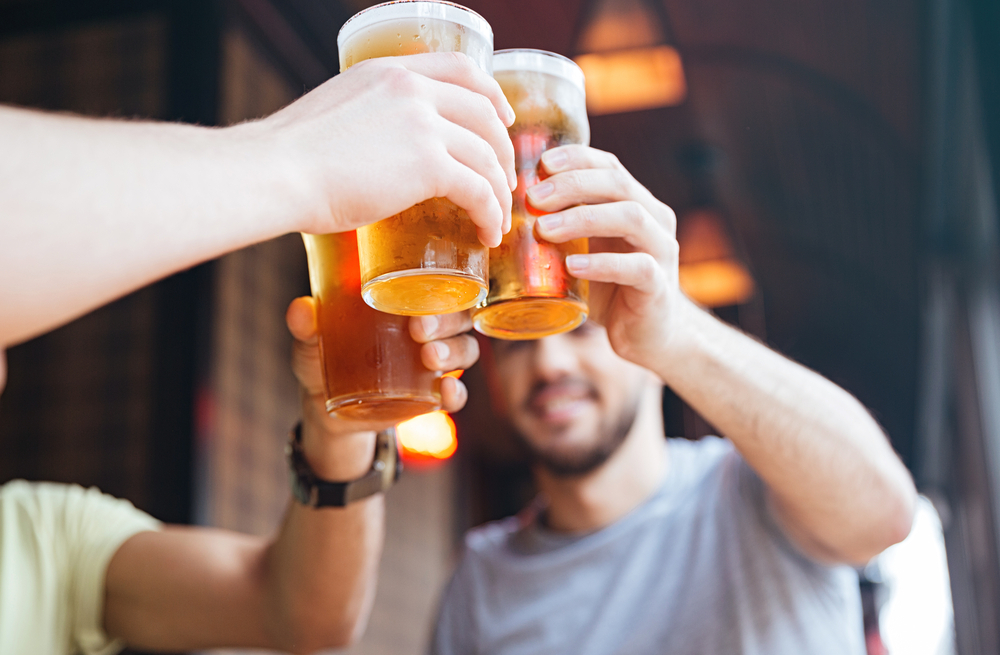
(83,528)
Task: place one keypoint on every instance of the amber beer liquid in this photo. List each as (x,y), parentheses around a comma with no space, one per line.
(371,366)
(531,294)
(427,259)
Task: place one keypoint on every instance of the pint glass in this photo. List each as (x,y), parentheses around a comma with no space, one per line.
(427,259)
(531,295)
(371,366)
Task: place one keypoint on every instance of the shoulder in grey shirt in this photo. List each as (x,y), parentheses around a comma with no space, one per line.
(700,568)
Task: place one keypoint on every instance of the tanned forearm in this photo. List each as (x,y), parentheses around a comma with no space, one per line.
(311,587)
(834,480)
(321,570)
(93,209)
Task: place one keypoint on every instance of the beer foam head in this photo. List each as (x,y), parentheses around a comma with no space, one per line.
(547,93)
(539,61)
(409,9)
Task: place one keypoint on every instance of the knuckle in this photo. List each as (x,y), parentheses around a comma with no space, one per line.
(480,190)
(468,349)
(482,105)
(573,182)
(622,181)
(587,216)
(635,214)
(668,219)
(421,122)
(673,249)
(400,80)
(486,153)
(463,68)
(460,61)
(646,265)
(486,192)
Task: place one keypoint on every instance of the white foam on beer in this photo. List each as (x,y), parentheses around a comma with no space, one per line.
(420,9)
(539,61)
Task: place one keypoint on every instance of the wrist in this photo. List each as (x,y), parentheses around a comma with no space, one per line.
(684,338)
(270,189)
(337,457)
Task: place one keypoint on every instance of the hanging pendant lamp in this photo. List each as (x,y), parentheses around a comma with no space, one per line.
(626,51)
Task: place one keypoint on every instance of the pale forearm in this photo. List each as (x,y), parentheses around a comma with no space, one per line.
(92,209)
(827,464)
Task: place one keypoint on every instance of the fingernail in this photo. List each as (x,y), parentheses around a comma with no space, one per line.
(429,324)
(441,350)
(541,191)
(512,181)
(577,262)
(554,160)
(550,221)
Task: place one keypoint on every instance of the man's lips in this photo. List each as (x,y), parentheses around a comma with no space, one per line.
(561,402)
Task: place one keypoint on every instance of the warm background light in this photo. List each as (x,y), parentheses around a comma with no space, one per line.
(717,283)
(427,438)
(709,271)
(628,58)
(630,80)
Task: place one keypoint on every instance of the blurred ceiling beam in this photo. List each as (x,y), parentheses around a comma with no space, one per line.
(22,17)
(269,24)
(300,34)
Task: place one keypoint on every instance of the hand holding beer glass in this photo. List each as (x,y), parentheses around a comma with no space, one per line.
(531,294)
(373,371)
(428,259)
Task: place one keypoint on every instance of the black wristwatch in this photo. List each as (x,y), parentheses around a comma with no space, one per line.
(315,492)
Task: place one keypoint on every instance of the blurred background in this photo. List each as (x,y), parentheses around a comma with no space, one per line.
(834,169)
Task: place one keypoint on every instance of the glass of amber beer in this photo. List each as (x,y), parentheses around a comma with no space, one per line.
(427,259)
(371,366)
(531,295)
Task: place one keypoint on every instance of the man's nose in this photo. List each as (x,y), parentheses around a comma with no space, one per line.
(554,357)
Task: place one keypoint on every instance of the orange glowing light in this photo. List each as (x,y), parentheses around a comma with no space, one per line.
(716,283)
(633,79)
(427,438)
(454,374)
(709,271)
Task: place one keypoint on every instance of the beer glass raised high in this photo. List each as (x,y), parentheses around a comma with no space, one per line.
(427,259)
(531,294)
(371,366)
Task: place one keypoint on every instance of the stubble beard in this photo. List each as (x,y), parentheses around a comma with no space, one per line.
(584,461)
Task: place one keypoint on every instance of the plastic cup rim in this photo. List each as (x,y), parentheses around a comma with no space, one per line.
(539,61)
(431,9)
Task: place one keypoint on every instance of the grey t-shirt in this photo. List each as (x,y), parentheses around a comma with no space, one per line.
(701,568)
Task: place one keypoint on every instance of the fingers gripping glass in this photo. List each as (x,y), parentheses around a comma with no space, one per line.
(531,294)
(372,369)
(427,259)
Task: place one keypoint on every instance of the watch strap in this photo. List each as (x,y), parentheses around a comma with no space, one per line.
(313,491)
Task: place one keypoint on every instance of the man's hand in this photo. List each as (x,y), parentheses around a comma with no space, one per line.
(834,483)
(113,205)
(391,132)
(445,348)
(312,585)
(632,267)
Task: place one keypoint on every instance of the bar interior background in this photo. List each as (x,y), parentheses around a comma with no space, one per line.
(851,149)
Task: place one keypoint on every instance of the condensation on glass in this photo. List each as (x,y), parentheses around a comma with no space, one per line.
(427,259)
(531,294)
